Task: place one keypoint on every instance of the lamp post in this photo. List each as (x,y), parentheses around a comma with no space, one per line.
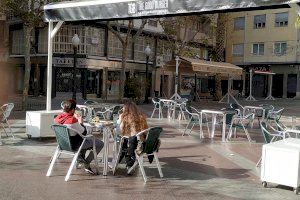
(75,42)
(147,53)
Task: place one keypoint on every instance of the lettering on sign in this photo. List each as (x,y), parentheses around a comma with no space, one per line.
(148,6)
(68,62)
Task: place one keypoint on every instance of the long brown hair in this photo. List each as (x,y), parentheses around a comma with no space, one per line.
(133,119)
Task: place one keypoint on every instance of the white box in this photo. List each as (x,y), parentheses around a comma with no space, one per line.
(281,163)
(38,123)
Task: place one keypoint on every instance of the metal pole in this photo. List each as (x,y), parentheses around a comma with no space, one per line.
(176,74)
(49,67)
(251,82)
(74,73)
(147,88)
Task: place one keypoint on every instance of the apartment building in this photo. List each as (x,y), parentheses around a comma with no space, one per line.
(265,40)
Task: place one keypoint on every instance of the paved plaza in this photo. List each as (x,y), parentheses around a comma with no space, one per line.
(193,168)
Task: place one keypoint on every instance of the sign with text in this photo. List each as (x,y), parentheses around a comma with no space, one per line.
(150,6)
(69,62)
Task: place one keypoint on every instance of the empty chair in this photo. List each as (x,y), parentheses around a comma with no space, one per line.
(5,111)
(64,147)
(238,107)
(150,148)
(241,122)
(180,108)
(87,112)
(195,117)
(275,115)
(109,112)
(267,108)
(269,136)
(156,105)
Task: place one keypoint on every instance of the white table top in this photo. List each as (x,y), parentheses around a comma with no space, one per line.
(288,143)
(254,107)
(221,112)
(213,111)
(167,100)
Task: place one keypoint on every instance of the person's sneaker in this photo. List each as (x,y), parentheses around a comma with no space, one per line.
(131,169)
(88,169)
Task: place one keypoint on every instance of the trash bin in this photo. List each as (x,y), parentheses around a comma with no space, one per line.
(156,93)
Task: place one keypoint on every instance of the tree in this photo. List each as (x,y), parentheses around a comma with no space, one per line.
(125,39)
(30,12)
(182,31)
(220,51)
(185,32)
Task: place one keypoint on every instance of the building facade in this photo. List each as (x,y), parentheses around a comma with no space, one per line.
(98,60)
(265,40)
(8,73)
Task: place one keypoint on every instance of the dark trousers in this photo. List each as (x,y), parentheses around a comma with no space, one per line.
(128,148)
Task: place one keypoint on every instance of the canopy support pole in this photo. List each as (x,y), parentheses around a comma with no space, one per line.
(51,33)
(228,95)
(176,96)
(270,97)
(250,97)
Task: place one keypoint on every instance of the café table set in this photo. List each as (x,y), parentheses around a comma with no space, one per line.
(108,130)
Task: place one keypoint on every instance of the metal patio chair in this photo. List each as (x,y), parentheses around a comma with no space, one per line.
(274,115)
(269,136)
(195,118)
(156,104)
(241,122)
(87,112)
(5,110)
(64,147)
(109,112)
(151,145)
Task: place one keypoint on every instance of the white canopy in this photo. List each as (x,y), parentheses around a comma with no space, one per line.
(124,9)
(120,9)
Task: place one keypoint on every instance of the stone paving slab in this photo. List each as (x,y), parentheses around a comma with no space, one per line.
(193,169)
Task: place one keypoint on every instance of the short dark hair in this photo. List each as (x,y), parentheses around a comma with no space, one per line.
(69,105)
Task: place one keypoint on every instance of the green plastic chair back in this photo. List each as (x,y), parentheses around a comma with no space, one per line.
(156,102)
(229,116)
(152,140)
(265,132)
(62,137)
(115,112)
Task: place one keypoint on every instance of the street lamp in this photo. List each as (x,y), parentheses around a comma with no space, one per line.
(147,53)
(75,42)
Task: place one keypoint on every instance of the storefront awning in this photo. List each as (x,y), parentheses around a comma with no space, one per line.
(189,65)
(119,9)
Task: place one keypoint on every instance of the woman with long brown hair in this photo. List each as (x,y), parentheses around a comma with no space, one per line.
(131,121)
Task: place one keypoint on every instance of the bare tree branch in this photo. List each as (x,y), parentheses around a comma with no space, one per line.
(116,33)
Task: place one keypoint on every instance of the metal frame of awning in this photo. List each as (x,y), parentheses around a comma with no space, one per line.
(81,10)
